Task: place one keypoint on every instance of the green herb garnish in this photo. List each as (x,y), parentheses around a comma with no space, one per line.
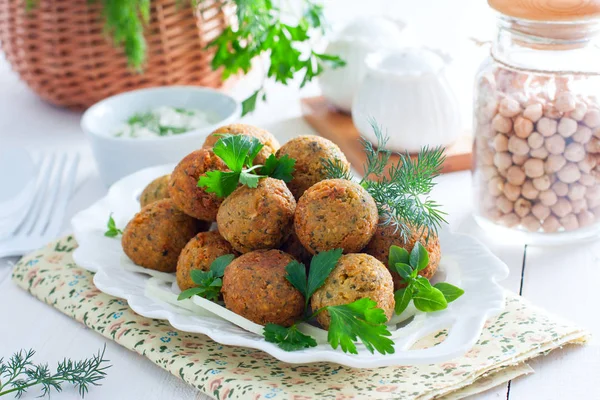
(19,373)
(238,153)
(112,230)
(360,319)
(402,198)
(426,298)
(209,282)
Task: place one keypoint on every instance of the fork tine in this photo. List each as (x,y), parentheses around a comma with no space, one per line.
(50,200)
(62,201)
(45,171)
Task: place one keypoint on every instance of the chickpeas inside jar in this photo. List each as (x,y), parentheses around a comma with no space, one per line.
(537,126)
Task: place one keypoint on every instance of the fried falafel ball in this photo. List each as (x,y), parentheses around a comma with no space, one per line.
(271,145)
(294,247)
(156,235)
(183,185)
(257,218)
(335,213)
(199,253)
(255,287)
(355,277)
(310,152)
(387,235)
(158,189)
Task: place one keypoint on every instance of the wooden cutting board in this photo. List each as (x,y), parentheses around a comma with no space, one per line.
(338,127)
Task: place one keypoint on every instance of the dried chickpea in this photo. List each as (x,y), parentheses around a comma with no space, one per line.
(500,142)
(519,159)
(534,168)
(579,205)
(562,207)
(565,102)
(541,183)
(512,192)
(529,191)
(546,126)
(587,180)
(593,193)
(522,207)
(592,118)
(551,224)
(569,222)
(555,144)
(518,146)
(504,204)
(540,211)
(495,186)
(552,112)
(574,152)
(560,188)
(493,214)
(579,112)
(535,140)
(548,198)
(485,157)
(569,173)
(502,160)
(502,124)
(576,191)
(567,127)
(531,223)
(587,164)
(554,163)
(540,153)
(488,172)
(585,218)
(533,112)
(515,175)
(593,146)
(583,134)
(509,107)
(510,220)
(523,127)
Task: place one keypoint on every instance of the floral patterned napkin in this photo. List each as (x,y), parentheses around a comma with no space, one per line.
(521,332)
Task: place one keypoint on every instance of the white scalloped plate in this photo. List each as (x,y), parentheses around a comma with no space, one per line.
(465,261)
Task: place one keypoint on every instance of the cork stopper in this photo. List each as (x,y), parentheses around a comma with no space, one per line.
(548,10)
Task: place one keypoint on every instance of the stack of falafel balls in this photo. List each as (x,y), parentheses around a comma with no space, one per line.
(269,226)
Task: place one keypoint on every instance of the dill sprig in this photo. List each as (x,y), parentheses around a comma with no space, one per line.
(19,373)
(402,196)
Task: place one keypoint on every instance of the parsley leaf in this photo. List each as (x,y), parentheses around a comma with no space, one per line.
(288,339)
(112,230)
(279,168)
(296,275)
(219,182)
(237,151)
(360,319)
(209,282)
(249,179)
(321,266)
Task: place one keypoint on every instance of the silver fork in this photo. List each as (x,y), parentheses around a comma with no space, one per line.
(43,222)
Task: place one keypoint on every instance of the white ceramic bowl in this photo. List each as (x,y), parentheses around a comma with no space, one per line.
(120,156)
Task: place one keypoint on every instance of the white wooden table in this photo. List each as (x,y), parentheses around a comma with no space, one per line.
(561,279)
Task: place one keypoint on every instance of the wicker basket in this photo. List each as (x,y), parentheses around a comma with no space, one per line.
(60,50)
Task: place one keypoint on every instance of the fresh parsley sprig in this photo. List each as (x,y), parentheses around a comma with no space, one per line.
(19,373)
(425,297)
(111,228)
(238,153)
(360,319)
(209,282)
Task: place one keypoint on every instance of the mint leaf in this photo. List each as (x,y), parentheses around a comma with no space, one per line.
(237,151)
(429,300)
(220,263)
(403,298)
(404,270)
(220,183)
(397,255)
(449,291)
(112,230)
(202,277)
(360,319)
(296,275)
(321,266)
(279,168)
(422,283)
(249,179)
(186,294)
(288,339)
(419,259)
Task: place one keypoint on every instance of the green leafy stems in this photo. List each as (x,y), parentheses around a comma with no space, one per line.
(426,298)
(19,373)
(238,153)
(401,195)
(360,319)
(111,228)
(209,282)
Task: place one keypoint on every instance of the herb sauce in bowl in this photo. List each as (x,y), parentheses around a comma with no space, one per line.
(164,121)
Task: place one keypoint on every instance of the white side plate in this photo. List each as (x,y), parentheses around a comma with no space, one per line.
(465,262)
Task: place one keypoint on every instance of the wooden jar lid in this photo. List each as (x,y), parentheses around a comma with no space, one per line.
(548,10)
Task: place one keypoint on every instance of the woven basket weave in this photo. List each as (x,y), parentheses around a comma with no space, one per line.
(61,51)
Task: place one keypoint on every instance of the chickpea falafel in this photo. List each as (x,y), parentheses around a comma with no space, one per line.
(295,248)
(156,235)
(255,287)
(199,253)
(257,218)
(355,277)
(387,235)
(335,213)
(158,189)
(309,152)
(183,185)
(271,145)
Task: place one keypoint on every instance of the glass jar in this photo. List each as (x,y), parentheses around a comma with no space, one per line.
(536,166)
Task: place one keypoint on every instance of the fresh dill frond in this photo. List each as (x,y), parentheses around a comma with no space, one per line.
(336,169)
(377,158)
(19,373)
